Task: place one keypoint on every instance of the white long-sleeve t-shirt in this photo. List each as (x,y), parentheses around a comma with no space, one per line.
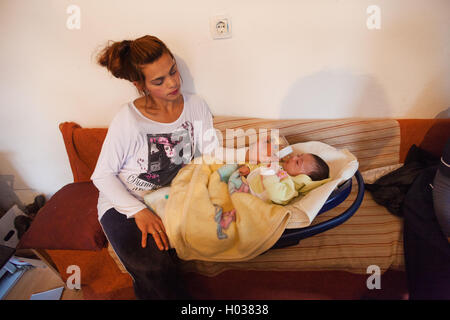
(139,154)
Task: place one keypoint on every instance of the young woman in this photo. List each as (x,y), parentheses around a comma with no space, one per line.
(147,143)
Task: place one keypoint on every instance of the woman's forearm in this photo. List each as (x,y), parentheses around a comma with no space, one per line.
(115,191)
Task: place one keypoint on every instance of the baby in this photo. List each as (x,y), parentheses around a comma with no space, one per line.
(272,182)
(300,163)
(277,182)
(280,183)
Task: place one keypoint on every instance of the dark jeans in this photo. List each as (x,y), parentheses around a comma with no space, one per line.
(154,272)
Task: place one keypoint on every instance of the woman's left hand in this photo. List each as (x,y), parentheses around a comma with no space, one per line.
(149,222)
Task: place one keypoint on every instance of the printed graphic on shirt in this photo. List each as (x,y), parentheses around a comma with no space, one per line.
(167,154)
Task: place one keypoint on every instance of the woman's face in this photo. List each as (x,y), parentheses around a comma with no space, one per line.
(162,78)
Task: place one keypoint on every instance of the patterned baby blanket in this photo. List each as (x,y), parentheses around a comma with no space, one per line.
(209,218)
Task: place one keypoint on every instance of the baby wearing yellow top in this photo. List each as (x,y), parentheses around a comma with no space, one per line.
(277,182)
(281,182)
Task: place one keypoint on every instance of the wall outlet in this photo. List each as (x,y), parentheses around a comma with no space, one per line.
(220,27)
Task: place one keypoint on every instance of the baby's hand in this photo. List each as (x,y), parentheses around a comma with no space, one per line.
(244,170)
(261,152)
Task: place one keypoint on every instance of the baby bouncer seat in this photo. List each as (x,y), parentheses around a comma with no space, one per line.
(293,236)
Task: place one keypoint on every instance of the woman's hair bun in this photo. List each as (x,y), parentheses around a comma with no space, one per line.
(124,47)
(114,58)
(125,58)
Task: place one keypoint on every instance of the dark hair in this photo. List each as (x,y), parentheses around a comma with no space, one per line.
(322,171)
(124,59)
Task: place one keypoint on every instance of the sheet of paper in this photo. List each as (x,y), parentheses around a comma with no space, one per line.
(54,294)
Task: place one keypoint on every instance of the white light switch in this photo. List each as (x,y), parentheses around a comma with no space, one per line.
(220,27)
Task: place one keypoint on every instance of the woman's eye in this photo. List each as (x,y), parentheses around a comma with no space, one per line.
(173,72)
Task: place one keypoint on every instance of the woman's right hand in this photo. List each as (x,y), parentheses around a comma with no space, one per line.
(148,222)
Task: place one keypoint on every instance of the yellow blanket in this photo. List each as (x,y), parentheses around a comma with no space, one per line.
(204,222)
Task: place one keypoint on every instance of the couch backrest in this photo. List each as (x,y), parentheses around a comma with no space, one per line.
(375,142)
(430,134)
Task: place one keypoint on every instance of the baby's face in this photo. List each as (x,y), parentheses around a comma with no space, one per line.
(299,163)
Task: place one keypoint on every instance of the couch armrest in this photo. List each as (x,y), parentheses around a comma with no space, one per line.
(83,146)
(429,134)
(68,221)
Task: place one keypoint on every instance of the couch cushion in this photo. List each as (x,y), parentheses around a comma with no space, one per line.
(100,278)
(68,220)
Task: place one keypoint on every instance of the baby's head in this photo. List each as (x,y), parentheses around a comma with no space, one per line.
(307,163)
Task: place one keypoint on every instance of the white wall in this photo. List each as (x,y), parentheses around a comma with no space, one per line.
(286,59)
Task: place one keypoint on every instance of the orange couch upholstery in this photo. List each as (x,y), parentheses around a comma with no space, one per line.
(68,230)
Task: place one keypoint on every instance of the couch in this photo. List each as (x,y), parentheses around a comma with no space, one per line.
(66,230)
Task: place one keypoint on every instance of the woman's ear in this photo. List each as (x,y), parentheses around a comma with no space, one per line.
(139,87)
